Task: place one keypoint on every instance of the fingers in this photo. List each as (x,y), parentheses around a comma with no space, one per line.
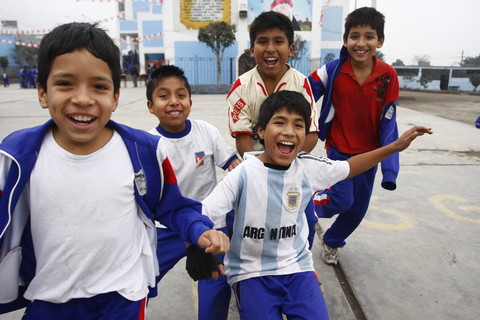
(214,241)
(215,275)
(234,164)
(221,269)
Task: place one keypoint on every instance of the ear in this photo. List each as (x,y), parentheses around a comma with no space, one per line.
(42,97)
(261,132)
(150,106)
(291,50)
(116,97)
(251,52)
(380,43)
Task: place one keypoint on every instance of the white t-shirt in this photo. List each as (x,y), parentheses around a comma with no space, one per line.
(270,232)
(249,92)
(193,154)
(88,236)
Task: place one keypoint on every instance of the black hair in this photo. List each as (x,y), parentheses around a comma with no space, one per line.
(365,16)
(73,36)
(271,20)
(293,101)
(166,71)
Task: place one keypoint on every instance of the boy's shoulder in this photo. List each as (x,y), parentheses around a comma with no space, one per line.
(134,135)
(22,142)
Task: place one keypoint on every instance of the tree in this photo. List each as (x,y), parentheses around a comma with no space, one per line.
(424,81)
(471,62)
(380,56)
(4,62)
(475,80)
(423,60)
(300,51)
(218,36)
(25,56)
(329,57)
(398,63)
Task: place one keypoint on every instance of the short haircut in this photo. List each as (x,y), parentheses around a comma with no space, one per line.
(293,101)
(271,20)
(160,74)
(365,16)
(75,36)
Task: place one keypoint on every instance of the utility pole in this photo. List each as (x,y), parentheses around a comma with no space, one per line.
(461,59)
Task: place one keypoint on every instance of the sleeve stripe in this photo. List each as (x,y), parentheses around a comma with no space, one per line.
(168,173)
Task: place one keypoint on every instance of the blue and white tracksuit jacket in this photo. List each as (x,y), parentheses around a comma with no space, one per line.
(388,127)
(156,192)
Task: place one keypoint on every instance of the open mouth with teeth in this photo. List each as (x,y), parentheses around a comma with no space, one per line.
(82,120)
(361,51)
(286,147)
(271,61)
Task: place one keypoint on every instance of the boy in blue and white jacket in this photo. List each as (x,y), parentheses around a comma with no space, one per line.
(358,114)
(79,195)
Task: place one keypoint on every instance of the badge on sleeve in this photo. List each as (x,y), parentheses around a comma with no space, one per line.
(141,182)
(389,113)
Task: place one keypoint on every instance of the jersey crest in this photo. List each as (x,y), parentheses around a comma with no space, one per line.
(293,199)
(200,158)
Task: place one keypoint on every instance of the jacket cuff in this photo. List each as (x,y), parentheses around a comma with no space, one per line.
(196,230)
(389,180)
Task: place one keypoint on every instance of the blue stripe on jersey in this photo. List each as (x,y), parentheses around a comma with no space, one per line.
(274,217)
(299,243)
(236,241)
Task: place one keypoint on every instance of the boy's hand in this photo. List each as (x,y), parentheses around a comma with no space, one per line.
(408,136)
(214,241)
(202,265)
(233,164)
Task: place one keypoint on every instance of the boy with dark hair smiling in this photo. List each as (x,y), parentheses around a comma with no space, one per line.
(80,194)
(358,114)
(194,148)
(271,44)
(269,265)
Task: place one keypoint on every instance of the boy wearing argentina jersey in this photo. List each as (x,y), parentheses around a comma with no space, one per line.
(271,44)
(269,265)
(194,148)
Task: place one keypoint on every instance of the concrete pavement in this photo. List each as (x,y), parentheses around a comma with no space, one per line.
(416,254)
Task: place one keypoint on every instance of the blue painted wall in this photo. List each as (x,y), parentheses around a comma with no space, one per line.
(200,64)
(151,28)
(332,24)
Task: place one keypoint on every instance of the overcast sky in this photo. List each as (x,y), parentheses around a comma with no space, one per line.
(439,29)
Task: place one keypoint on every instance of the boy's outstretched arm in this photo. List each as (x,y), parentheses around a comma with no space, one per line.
(367,160)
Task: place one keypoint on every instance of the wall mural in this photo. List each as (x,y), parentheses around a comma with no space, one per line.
(299,11)
(195,14)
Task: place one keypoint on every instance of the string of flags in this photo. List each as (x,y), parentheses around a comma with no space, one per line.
(109,1)
(20,43)
(146,38)
(324,9)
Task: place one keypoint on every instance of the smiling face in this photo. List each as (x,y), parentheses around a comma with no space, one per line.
(271,51)
(171,104)
(361,43)
(80,100)
(283,137)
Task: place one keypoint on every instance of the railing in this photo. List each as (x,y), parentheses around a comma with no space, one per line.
(201,70)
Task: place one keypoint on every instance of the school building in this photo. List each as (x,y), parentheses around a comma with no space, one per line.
(157,32)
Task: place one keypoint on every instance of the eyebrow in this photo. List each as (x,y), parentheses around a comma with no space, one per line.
(72,75)
(285,118)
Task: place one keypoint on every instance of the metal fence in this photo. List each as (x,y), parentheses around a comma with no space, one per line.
(203,71)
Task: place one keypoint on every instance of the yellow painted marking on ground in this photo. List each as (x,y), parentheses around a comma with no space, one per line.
(437,202)
(406,222)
